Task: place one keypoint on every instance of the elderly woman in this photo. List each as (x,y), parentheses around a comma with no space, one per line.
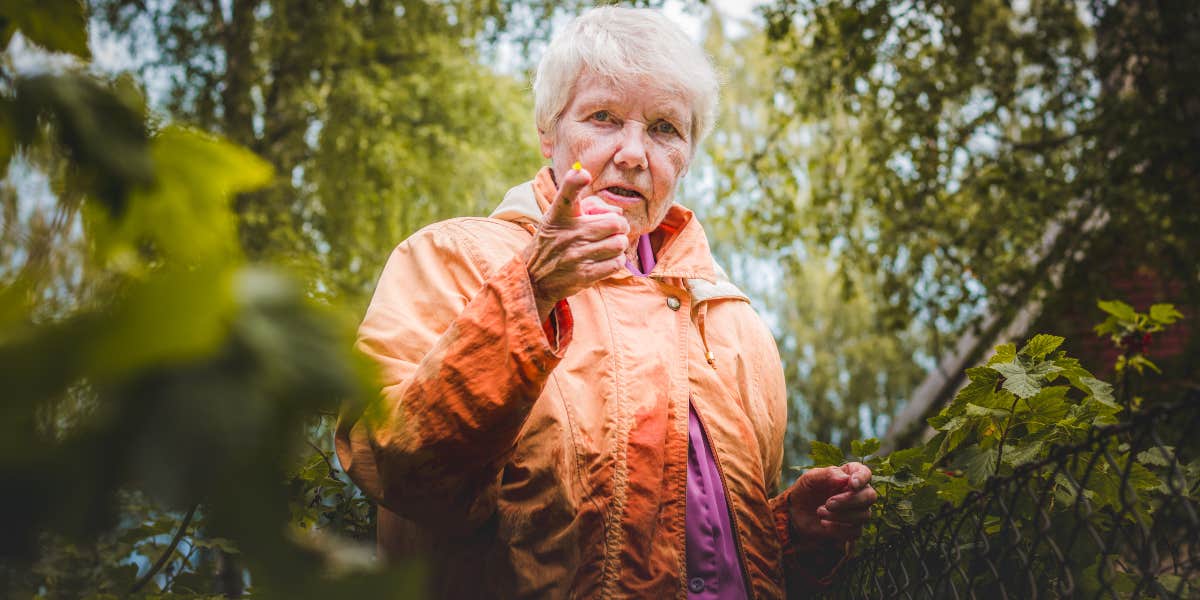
(576,402)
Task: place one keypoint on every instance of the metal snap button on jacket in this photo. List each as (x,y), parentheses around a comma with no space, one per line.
(695,584)
(673,303)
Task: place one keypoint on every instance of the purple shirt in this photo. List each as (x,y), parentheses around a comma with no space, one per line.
(713,571)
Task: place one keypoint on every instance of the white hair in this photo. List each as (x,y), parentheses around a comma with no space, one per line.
(620,43)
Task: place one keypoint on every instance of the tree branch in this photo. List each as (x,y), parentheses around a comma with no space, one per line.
(162,560)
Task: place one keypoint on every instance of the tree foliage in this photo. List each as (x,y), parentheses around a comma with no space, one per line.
(377,116)
(846,371)
(955,141)
(158,388)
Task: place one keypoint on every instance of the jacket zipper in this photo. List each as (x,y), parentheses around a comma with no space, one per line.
(737,538)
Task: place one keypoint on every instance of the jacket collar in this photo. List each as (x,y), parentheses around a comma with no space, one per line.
(684,252)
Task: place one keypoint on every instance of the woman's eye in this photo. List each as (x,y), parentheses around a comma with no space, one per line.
(601,115)
(665,127)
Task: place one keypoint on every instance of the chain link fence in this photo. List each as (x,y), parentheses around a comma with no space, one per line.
(1115,516)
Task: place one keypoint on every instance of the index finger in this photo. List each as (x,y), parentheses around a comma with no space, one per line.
(852,500)
(566,204)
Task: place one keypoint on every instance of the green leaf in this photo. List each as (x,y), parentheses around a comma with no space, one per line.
(1142,478)
(1019,454)
(1017,380)
(901,479)
(1049,405)
(954,436)
(1140,362)
(981,387)
(1164,314)
(148,329)
(103,131)
(1004,353)
(954,490)
(1159,456)
(1118,309)
(953,424)
(826,455)
(865,447)
(942,419)
(974,410)
(1111,327)
(1041,345)
(925,499)
(1099,390)
(904,510)
(912,459)
(992,525)
(981,464)
(1174,584)
(57,25)
(1043,369)
(186,215)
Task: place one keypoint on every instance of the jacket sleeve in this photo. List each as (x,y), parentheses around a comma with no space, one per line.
(808,565)
(463,357)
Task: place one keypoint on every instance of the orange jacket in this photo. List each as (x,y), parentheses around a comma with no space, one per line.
(538,471)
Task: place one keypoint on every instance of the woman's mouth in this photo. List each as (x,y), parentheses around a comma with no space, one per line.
(623,194)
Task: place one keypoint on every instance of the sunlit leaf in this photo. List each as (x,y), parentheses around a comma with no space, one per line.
(1040,345)
(1005,353)
(1117,309)
(149,327)
(1017,380)
(186,214)
(1165,313)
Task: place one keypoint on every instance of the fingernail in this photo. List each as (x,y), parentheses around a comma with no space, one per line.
(577,166)
(854,481)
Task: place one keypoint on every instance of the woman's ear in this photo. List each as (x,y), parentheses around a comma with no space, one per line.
(546,141)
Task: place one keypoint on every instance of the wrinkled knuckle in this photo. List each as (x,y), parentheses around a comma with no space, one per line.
(574,254)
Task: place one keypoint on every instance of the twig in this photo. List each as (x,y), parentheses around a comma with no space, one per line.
(187,559)
(1012,413)
(325,457)
(162,560)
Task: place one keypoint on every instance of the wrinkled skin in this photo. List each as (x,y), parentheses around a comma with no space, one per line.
(831,504)
(578,243)
(631,135)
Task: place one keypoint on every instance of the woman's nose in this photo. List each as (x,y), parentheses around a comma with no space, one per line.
(631,151)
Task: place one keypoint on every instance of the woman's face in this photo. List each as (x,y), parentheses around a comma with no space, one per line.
(633,137)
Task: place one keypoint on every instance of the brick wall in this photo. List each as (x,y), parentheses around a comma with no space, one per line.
(1139,287)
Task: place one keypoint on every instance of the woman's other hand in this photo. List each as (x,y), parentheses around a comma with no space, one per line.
(580,242)
(831,504)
